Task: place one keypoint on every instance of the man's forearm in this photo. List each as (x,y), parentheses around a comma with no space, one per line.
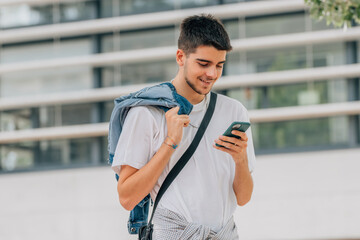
(243,183)
(133,187)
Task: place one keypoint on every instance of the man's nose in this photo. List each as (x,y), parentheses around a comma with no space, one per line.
(211,73)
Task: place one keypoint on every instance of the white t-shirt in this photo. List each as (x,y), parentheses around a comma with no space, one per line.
(203,191)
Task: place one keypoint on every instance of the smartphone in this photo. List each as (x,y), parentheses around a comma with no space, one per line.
(239,126)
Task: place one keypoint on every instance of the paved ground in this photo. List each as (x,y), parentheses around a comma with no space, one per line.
(297,196)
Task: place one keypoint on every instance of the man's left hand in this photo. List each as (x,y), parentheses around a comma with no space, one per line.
(234,146)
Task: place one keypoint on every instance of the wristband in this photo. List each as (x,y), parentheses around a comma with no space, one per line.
(173,145)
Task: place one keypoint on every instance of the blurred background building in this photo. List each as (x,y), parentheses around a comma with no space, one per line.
(63,62)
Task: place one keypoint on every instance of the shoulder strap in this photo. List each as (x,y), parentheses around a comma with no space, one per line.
(187,154)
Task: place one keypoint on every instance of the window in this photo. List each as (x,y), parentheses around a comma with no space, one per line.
(300,134)
(279,59)
(15,120)
(77,11)
(108,110)
(77,114)
(23,15)
(327,91)
(275,25)
(112,8)
(47,116)
(196,3)
(49,154)
(137,73)
(139,40)
(27,83)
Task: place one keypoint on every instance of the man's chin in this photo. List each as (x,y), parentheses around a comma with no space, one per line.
(203,91)
(199,89)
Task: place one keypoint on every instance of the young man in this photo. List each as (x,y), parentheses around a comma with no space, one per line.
(200,202)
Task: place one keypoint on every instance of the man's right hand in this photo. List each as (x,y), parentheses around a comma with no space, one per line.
(175,124)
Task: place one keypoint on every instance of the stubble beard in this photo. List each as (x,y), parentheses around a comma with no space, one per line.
(192,85)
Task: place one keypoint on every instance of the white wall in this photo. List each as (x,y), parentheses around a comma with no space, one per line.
(297,196)
(314,195)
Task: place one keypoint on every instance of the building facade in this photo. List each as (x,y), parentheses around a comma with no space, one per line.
(63,62)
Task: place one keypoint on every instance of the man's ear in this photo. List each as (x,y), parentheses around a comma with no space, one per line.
(180,57)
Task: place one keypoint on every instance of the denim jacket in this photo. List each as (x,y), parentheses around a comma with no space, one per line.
(163,95)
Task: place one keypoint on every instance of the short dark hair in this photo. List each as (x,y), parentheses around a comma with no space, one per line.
(202,30)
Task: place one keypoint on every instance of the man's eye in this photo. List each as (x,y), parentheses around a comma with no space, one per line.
(219,66)
(203,64)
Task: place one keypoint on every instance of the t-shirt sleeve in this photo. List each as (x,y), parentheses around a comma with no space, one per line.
(135,146)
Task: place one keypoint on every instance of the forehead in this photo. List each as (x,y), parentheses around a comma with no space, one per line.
(209,53)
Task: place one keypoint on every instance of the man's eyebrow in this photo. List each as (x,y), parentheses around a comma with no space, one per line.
(203,60)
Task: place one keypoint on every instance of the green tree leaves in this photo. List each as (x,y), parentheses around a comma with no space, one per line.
(338,12)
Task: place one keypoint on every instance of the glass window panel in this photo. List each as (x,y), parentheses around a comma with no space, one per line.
(268,60)
(300,134)
(139,40)
(358,127)
(108,110)
(111,76)
(236,1)
(236,64)
(45,81)
(111,8)
(318,25)
(15,120)
(197,3)
(48,116)
(249,97)
(76,114)
(43,51)
(358,52)
(276,59)
(307,93)
(107,44)
(143,6)
(105,157)
(15,158)
(148,39)
(148,72)
(106,8)
(329,54)
(45,154)
(327,91)
(24,15)
(275,25)
(137,73)
(76,11)
(232,28)
(80,151)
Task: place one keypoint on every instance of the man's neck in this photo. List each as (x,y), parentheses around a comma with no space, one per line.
(183,89)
